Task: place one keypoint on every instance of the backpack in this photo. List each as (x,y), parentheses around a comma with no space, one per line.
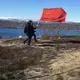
(26,29)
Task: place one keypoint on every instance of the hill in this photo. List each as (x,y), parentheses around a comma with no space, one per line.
(44,60)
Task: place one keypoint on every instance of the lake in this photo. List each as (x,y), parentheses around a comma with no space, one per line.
(13,33)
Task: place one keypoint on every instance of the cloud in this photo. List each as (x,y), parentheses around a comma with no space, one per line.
(7,17)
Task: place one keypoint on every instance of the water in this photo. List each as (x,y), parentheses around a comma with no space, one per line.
(13,33)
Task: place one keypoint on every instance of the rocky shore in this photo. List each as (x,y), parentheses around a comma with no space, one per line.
(45,60)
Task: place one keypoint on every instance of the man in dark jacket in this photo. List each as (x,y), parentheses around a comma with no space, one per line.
(29,30)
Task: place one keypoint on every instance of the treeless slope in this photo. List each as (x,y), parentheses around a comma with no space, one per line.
(60,61)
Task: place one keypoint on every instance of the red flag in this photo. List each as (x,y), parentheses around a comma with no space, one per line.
(53,15)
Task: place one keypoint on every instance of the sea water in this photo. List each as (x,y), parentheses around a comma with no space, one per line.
(13,33)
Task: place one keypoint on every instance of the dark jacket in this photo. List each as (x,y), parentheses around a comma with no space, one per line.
(29,29)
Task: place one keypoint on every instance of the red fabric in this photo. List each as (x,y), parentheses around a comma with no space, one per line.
(53,15)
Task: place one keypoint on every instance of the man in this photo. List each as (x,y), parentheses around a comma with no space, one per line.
(29,30)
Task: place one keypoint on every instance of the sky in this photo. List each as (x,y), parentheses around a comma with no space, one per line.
(32,9)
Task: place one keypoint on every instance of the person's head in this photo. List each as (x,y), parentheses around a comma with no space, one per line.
(30,22)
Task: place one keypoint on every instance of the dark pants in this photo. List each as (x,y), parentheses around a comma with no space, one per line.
(30,37)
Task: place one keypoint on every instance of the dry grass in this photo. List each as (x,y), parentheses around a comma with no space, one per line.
(66,62)
(58,62)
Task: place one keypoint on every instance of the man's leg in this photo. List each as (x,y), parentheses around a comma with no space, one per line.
(35,37)
(29,39)
(25,41)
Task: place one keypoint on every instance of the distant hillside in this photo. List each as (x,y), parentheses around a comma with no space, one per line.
(17,23)
(12,23)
